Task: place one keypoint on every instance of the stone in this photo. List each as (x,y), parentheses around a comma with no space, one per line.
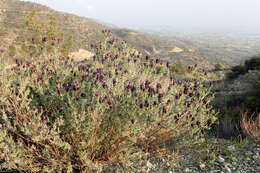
(176,50)
(187,170)
(237,171)
(249,153)
(81,55)
(248,159)
(149,164)
(231,148)
(202,166)
(221,159)
(256,157)
(227,169)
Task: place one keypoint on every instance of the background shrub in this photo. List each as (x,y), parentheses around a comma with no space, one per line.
(236,71)
(219,67)
(253,63)
(44,38)
(179,69)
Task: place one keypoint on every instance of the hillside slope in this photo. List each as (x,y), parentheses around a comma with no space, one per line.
(226,48)
(170,50)
(13,13)
(86,31)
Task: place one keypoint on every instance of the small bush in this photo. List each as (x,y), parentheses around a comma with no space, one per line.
(219,67)
(236,71)
(44,38)
(60,115)
(253,100)
(254,78)
(253,63)
(228,126)
(179,69)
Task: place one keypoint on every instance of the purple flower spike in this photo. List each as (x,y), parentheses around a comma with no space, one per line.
(67,86)
(44,39)
(33,40)
(83,95)
(158,86)
(104,85)
(110,101)
(167,64)
(101,99)
(185,91)
(146,103)
(114,81)
(76,86)
(147,83)
(160,95)
(164,110)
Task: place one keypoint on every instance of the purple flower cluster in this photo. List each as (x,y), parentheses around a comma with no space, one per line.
(71,86)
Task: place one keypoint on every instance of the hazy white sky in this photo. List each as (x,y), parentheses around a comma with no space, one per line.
(176,13)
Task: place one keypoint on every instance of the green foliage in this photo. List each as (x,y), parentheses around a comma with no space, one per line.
(245,99)
(219,67)
(44,38)
(179,69)
(253,63)
(254,78)
(236,71)
(58,115)
(250,69)
(254,99)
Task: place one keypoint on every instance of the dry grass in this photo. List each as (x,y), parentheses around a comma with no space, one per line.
(251,127)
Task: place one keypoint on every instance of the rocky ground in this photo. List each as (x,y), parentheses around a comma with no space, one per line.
(211,156)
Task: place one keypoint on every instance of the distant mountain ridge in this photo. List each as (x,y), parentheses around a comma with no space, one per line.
(86,31)
(226,48)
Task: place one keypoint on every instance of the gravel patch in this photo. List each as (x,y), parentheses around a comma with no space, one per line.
(225,158)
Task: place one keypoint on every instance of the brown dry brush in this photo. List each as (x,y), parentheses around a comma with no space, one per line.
(251,126)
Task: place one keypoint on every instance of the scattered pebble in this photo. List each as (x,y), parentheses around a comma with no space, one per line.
(231,148)
(187,170)
(221,159)
(227,169)
(247,161)
(202,166)
(149,164)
